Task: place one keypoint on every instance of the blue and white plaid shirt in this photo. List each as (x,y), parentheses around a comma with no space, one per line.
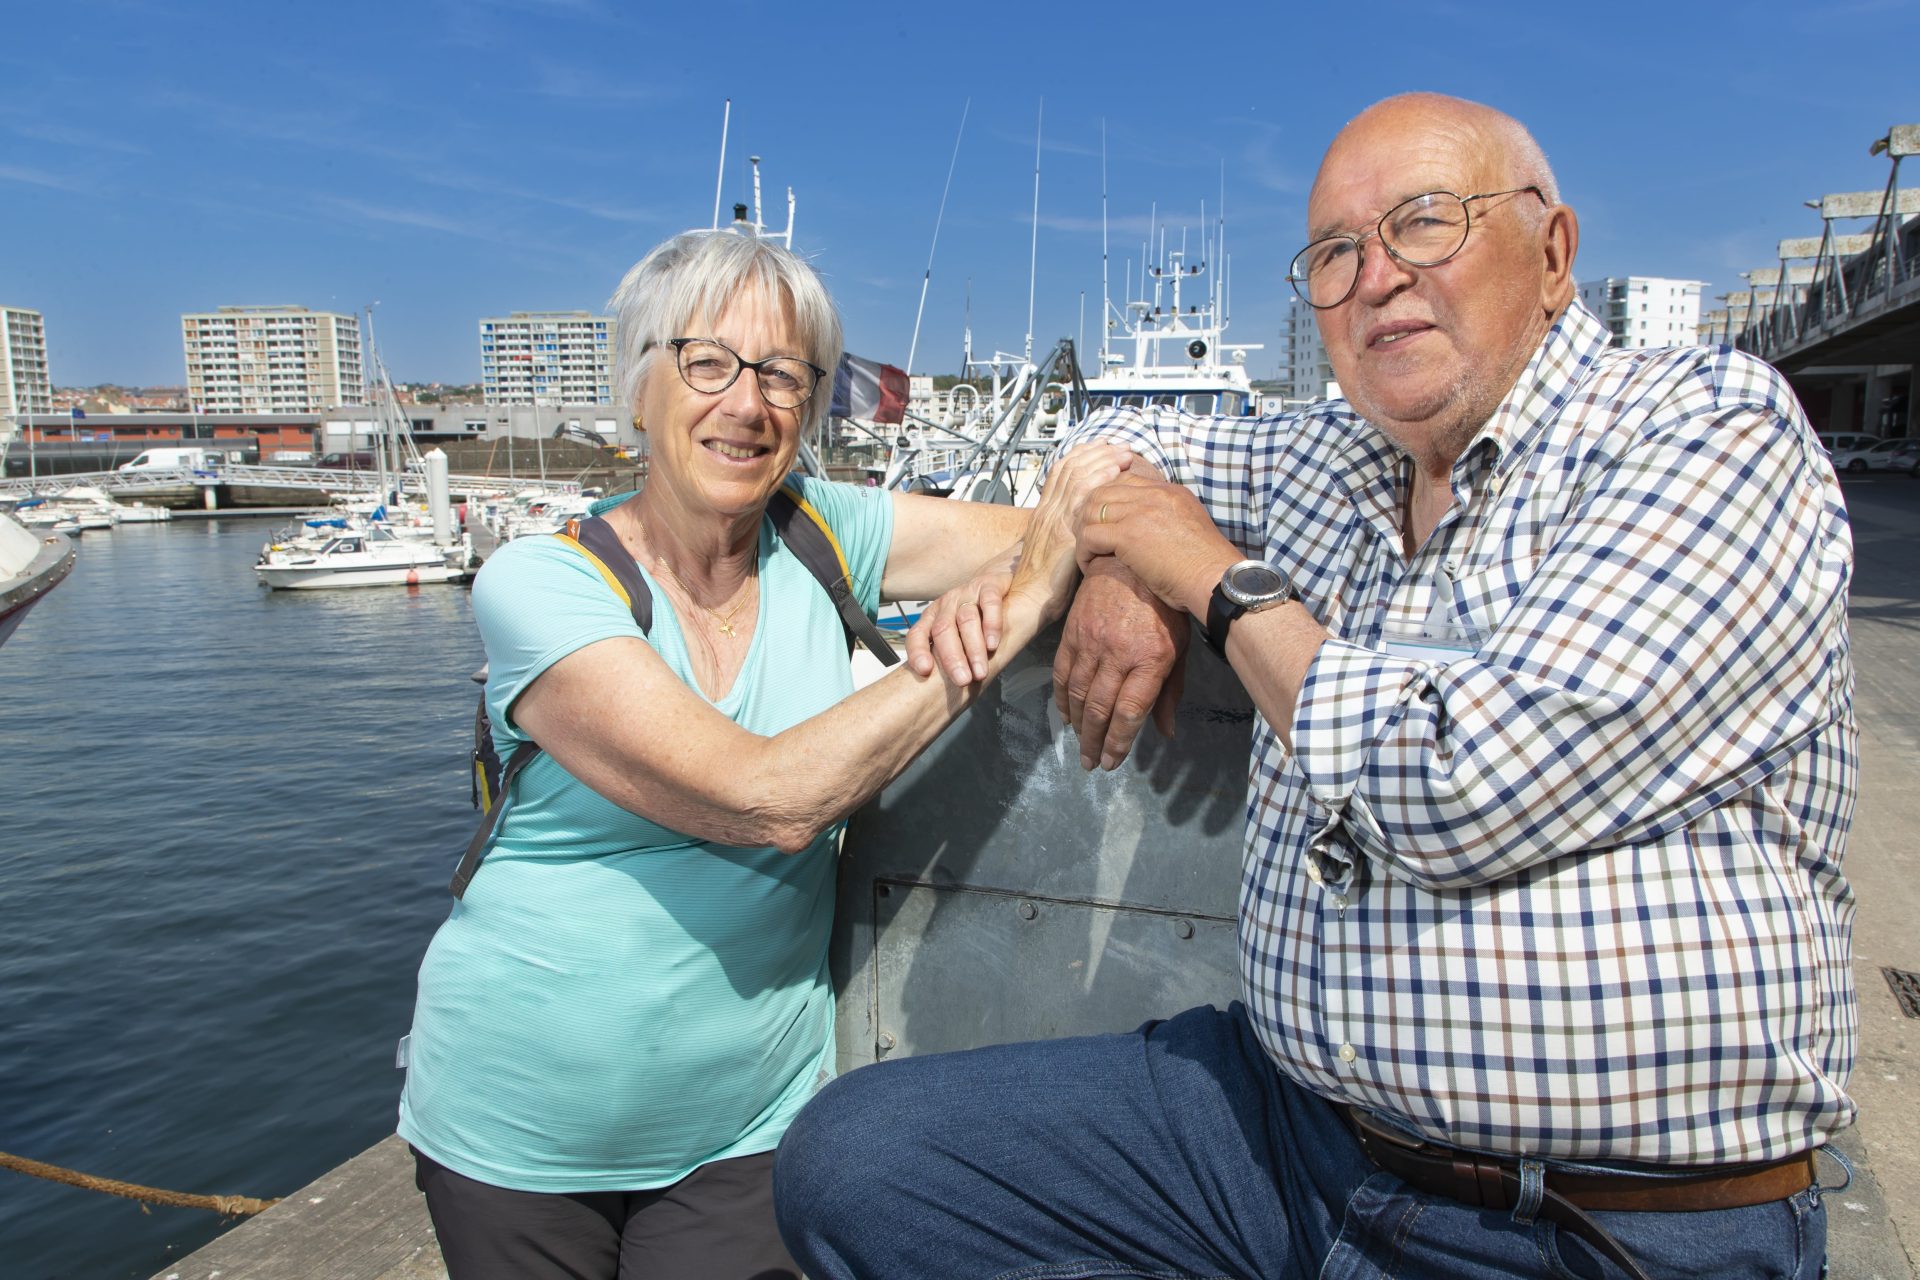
(1554,865)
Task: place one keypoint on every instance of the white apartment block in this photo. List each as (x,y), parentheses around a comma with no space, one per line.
(272,360)
(1646,311)
(24,384)
(547,357)
(1305,373)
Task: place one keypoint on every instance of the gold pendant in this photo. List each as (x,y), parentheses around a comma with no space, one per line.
(726,629)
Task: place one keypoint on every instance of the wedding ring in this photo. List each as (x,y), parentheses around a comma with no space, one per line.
(1102,517)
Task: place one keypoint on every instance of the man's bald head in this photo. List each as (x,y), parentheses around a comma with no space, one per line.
(1426,352)
(1497,135)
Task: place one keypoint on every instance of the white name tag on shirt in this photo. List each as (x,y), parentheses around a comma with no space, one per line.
(1425,648)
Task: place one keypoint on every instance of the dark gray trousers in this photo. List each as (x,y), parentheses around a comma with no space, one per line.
(714,1224)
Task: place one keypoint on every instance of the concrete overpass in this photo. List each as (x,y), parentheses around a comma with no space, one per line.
(1840,312)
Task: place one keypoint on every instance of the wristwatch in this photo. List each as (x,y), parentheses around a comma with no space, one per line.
(1247,586)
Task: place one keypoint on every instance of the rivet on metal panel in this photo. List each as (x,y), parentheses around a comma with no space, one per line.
(1028,911)
(1183,928)
(885,1042)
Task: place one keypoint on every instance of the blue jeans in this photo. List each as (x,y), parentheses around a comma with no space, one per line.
(1174,1151)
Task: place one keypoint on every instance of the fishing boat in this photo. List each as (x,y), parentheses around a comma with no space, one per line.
(31,564)
(371,557)
(1178,358)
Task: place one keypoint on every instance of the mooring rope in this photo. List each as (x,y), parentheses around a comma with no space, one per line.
(225,1206)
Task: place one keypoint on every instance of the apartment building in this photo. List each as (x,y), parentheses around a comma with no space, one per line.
(1305,373)
(24,385)
(547,357)
(272,360)
(1646,311)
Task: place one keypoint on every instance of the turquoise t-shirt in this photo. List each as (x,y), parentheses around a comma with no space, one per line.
(613,1003)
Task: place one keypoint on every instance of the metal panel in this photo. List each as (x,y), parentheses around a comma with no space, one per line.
(1904,140)
(957,967)
(998,811)
(1868,204)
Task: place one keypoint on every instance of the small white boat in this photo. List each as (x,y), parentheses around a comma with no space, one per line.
(83,507)
(372,557)
(86,498)
(31,564)
(42,514)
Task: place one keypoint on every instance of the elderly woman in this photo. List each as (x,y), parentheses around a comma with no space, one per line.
(630,1002)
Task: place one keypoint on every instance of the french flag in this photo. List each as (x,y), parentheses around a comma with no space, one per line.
(870,390)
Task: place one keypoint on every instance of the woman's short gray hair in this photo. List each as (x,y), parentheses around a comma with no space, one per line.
(694,277)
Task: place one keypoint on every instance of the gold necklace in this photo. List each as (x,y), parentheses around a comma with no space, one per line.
(723,622)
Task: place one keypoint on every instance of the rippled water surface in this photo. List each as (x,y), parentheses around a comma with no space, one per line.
(227,817)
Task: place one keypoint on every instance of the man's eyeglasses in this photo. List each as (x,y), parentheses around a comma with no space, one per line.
(1422,232)
(712,367)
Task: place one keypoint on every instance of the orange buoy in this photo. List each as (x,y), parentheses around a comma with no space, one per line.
(413,577)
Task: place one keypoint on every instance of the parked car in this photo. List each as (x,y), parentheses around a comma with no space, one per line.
(1837,442)
(1882,455)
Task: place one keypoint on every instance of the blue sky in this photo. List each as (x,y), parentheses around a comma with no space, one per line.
(459,158)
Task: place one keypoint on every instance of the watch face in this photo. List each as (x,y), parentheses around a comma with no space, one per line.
(1252,581)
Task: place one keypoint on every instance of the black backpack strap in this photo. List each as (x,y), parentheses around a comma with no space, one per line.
(595,539)
(477,847)
(808,537)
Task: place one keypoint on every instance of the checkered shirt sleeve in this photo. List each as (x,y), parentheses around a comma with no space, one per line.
(1575,891)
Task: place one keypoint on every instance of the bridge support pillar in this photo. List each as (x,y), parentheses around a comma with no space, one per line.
(1844,413)
(1872,396)
(209,497)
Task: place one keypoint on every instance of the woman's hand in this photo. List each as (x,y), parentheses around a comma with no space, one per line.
(1046,572)
(958,632)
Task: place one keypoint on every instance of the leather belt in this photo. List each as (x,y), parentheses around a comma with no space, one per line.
(1565,1196)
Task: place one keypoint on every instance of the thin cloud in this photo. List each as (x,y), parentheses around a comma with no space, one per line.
(71,136)
(307,129)
(1262,164)
(1131,227)
(38,178)
(419,218)
(624,215)
(573,84)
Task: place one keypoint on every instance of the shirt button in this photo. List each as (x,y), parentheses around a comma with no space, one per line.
(1347,1054)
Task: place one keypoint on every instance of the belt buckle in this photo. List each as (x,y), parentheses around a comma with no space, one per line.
(1366,1125)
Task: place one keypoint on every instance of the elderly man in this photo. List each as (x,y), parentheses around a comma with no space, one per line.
(1544,936)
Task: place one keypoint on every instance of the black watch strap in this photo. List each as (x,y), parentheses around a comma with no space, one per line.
(1221,613)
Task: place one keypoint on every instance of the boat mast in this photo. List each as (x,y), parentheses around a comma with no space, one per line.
(1106,299)
(1033,260)
(720,180)
(913,345)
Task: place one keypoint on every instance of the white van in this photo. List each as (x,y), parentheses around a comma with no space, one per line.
(174,458)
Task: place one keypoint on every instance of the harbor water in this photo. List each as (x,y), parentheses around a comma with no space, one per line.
(227,818)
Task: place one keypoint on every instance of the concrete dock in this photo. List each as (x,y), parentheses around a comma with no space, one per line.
(365,1221)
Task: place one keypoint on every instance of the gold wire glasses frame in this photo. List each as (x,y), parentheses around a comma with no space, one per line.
(710,367)
(1422,232)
